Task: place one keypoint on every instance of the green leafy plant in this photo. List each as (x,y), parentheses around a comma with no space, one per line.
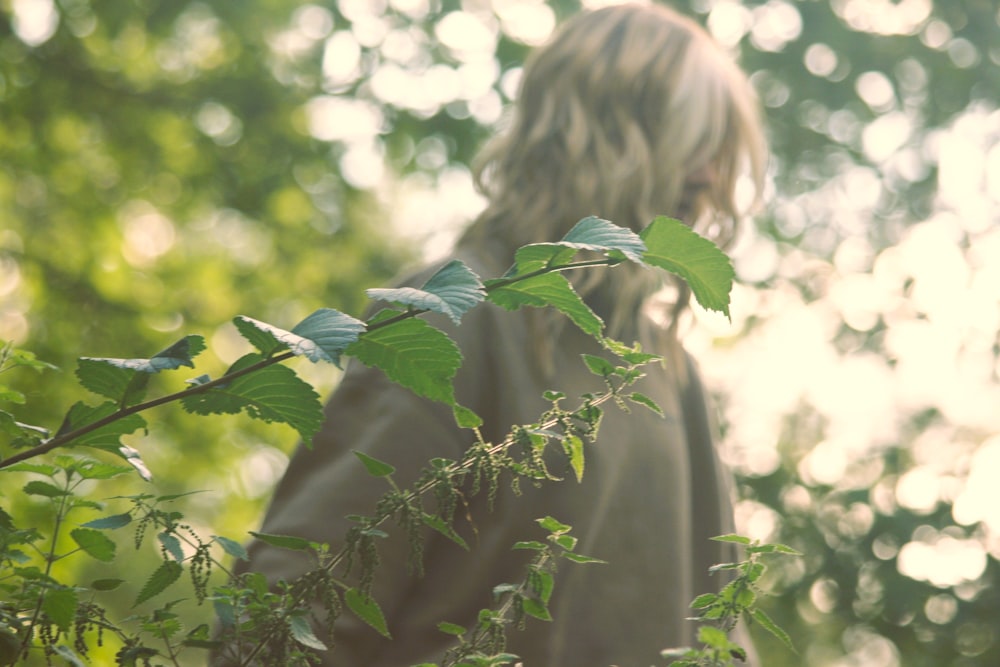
(43,615)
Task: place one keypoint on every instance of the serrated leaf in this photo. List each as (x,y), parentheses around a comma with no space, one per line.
(732,538)
(303,633)
(580,558)
(165,575)
(124,380)
(549,289)
(465,417)
(451,628)
(598,365)
(704,600)
(284,541)
(374,467)
(106,437)
(41,468)
(135,460)
(672,245)
(413,354)
(272,394)
(232,547)
(40,488)
(106,584)
(367,610)
(567,542)
(321,336)
(535,609)
(773,548)
(600,235)
(573,446)
(713,637)
(94,543)
(99,470)
(453,290)
(765,622)
(441,526)
(553,526)
(60,605)
(171,545)
(642,399)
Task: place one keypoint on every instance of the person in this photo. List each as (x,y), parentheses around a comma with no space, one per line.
(630,111)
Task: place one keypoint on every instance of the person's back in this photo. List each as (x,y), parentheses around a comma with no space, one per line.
(629,112)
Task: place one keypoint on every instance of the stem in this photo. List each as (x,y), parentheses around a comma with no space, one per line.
(50,558)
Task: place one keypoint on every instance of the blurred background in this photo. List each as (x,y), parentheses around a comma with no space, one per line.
(166,165)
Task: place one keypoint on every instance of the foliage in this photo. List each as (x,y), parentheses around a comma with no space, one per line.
(163,171)
(44,613)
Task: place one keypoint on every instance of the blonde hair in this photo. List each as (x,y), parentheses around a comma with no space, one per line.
(615,116)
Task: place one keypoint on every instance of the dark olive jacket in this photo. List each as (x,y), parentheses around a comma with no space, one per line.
(652,495)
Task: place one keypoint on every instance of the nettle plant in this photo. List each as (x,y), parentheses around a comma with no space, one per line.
(43,618)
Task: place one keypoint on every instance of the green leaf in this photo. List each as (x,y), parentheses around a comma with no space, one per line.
(232,547)
(441,526)
(593,233)
(598,365)
(532,545)
(452,291)
(284,541)
(451,629)
(124,380)
(41,468)
(413,354)
(272,394)
(642,399)
(732,538)
(303,633)
(580,558)
(60,605)
(712,636)
(672,245)
(367,610)
(538,257)
(165,575)
(567,542)
(94,543)
(773,548)
(171,545)
(535,609)
(67,654)
(106,584)
(553,526)
(573,446)
(374,467)
(40,488)
(106,437)
(549,289)
(765,622)
(465,417)
(705,600)
(98,470)
(321,336)
(11,396)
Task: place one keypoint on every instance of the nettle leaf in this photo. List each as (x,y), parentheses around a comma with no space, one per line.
(171,545)
(60,605)
(125,380)
(672,245)
(94,543)
(642,399)
(272,394)
(106,437)
(164,576)
(573,446)
(594,233)
(232,547)
(39,488)
(453,290)
(285,541)
(303,633)
(367,610)
(548,289)
(765,622)
(110,522)
(413,354)
(96,470)
(375,467)
(321,336)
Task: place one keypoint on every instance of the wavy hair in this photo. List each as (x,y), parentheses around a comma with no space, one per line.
(629,112)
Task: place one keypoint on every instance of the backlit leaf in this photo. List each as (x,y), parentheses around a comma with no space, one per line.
(593,233)
(672,245)
(94,543)
(452,291)
(549,289)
